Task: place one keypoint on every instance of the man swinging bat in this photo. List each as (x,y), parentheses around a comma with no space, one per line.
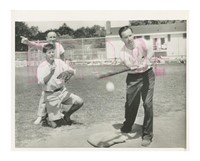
(136,55)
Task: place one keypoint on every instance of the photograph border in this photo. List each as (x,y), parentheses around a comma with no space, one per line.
(35,15)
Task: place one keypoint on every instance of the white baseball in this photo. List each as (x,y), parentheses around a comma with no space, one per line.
(110,86)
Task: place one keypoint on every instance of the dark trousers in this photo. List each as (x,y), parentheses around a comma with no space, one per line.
(140,85)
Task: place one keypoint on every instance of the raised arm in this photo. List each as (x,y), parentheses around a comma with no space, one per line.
(48,77)
(25,41)
(43,76)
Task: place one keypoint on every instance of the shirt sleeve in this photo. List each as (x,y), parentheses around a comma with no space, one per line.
(61,49)
(41,74)
(150,52)
(144,44)
(147,47)
(31,44)
(67,67)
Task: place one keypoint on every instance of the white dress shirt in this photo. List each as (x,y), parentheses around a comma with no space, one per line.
(139,56)
(54,83)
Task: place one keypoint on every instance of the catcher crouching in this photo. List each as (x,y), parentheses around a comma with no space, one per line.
(52,75)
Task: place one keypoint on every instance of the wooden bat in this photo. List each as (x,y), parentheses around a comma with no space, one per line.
(111,73)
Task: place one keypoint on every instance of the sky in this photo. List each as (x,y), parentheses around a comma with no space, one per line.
(43,26)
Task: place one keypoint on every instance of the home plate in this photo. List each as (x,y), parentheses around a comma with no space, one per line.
(107,139)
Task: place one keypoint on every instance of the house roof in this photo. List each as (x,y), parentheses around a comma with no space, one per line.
(149,29)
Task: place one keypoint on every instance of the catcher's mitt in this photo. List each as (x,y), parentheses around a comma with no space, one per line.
(65,76)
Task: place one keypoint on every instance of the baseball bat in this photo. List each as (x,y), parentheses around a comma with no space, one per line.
(111,73)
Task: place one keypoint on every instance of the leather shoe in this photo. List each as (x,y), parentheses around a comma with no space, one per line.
(52,123)
(146,142)
(125,129)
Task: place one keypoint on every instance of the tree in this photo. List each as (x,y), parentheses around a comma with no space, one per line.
(21,29)
(65,36)
(80,33)
(40,36)
(94,31)
(34,30)
(65,30)
(98,31)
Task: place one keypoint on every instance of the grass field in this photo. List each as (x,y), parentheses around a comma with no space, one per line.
(99,104)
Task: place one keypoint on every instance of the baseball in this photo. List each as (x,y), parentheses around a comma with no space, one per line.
(110,86)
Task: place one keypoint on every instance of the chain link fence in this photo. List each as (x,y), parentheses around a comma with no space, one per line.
(80,51)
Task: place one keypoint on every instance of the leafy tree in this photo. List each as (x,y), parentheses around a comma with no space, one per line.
(34,30)
(21,29)
(86,32)
(98,31)
(65,30)
(40,36)
(80,33)
(65,36)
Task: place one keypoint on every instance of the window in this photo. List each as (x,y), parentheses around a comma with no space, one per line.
(138,37)
(159,44)
(147,37)
(184,35)
(169,38)
(162,41)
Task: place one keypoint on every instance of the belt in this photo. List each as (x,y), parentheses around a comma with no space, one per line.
(138,74)
(56,90)
(148,70)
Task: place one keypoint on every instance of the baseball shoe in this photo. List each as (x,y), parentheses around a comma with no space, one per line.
(38,120)
(125,129)
(52,124)
(146,142)
(67,119)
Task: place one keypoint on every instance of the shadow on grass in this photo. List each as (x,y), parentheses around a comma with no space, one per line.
(136,130)
(62,122)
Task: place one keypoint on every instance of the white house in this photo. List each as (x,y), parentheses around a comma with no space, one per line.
(166,39)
